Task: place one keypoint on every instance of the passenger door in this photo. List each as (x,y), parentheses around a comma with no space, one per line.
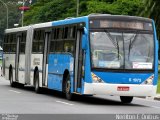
(18,37)
(45,57)
(78,61)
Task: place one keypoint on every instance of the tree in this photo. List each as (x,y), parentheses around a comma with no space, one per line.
(44,11)
(152,11)
(49,10)
(13,15)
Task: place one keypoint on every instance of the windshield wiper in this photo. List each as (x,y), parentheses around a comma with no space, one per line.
(131,44)
(112,40)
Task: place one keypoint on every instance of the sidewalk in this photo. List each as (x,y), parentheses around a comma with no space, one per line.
(157,97)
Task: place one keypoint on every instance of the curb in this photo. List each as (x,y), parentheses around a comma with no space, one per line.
(157,98)
(151,98)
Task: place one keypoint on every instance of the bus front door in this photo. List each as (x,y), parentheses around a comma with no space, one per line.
(78,63)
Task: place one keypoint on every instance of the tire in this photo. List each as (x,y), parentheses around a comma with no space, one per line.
(20,85)
(67,88)
(36,82)
(126,99)
(12,84)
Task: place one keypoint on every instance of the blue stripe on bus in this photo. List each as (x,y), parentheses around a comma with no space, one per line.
(123,78)
(57,64)
(70,21)
(55,82)
(156,55)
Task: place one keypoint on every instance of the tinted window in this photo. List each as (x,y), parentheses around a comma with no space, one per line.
(22,42)
(38,41)
(63,39)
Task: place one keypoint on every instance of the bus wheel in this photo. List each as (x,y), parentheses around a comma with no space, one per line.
(126,99)
(13,84)
(68,93)
(36,82)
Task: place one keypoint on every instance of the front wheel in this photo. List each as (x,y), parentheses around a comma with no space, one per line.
(126,99)
(68,93)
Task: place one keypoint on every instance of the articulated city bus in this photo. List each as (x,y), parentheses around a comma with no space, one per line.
(91,55)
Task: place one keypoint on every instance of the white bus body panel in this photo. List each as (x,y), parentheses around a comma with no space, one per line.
(42,25)
(36,61)
(9,60)
(46,82)
(16,29)
(23,76)
(21,71)
(111,89)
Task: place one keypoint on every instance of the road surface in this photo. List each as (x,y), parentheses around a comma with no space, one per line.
(26,101)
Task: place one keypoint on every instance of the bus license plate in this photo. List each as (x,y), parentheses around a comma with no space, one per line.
(122,88)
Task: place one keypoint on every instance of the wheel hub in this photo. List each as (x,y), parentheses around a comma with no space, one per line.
(68,87)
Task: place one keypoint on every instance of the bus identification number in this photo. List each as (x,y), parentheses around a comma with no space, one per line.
(136,80)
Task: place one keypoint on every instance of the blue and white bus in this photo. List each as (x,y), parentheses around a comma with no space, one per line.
(91,55)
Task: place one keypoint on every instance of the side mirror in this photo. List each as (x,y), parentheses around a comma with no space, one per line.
(84,39)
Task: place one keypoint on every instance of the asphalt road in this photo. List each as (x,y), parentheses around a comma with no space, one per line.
(26,101)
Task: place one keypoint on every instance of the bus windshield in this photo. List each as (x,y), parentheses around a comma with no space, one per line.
(122,50)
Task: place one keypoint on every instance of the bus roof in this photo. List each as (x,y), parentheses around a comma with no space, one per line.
(76,20)
(119,17)
(70,21)
(25,28)
(42,25)
(18,29)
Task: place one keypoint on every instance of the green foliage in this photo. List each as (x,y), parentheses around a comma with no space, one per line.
(50,10)
(13,16)
(152,10)
(127,7)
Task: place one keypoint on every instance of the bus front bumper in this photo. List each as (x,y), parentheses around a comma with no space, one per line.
(113,89)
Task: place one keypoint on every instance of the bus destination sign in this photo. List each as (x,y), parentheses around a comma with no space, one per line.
(121,24)
(139,25)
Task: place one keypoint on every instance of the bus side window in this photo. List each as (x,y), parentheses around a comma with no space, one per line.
(59,40)
(22,42)
(52,42)
(41,41)
(35,43)
(63,39)
(69,41)
(13,43)
(7,43)
(38,41)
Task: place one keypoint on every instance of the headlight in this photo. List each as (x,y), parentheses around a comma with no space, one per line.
(96,79)
(149,81)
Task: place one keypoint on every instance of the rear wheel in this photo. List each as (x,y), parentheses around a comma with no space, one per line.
(68,93)
(126,99)
(36,82)
(12,83)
